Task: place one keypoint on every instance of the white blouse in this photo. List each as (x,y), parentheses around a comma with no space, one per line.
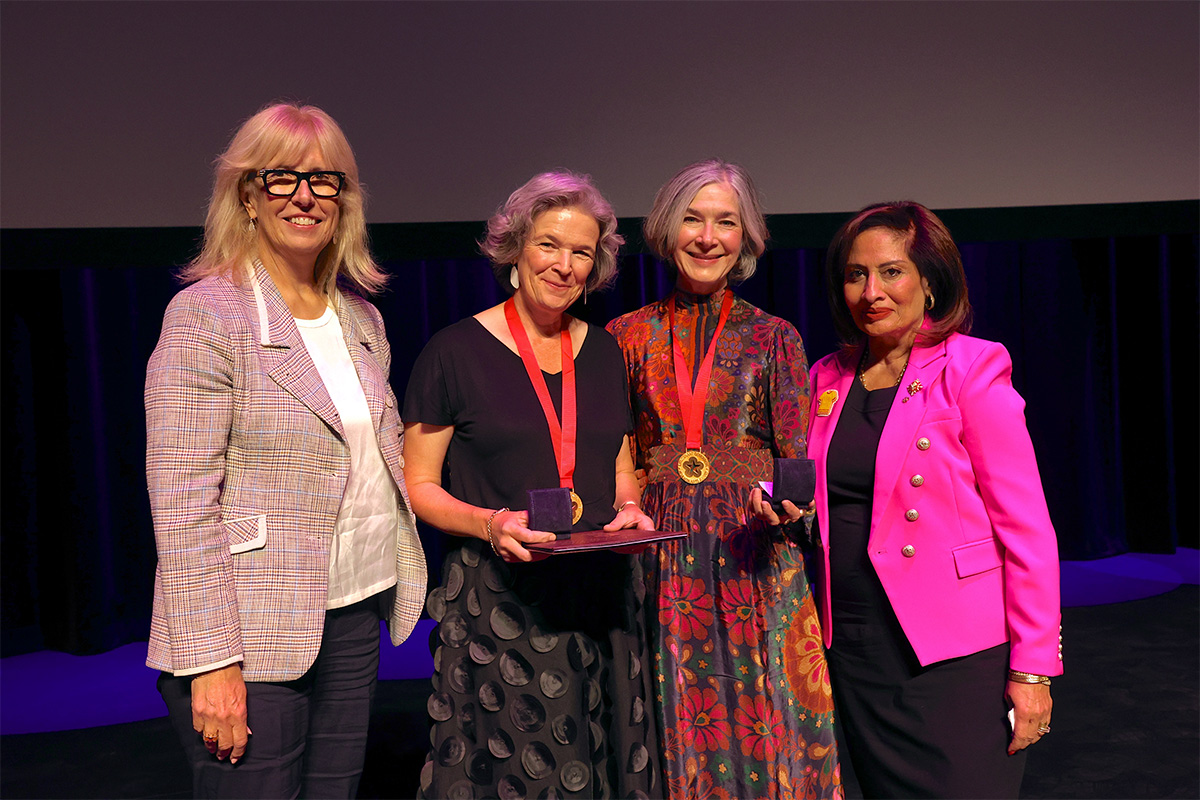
(362,558)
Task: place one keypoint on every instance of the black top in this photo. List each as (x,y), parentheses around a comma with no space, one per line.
(501,447)
(911,730)
(541,677)
(854,586)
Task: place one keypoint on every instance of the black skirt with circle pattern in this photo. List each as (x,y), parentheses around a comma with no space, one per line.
(541,679)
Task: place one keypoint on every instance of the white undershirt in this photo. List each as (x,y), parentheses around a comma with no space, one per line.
(362,558)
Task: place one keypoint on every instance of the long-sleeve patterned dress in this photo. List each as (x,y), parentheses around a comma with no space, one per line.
(742,690)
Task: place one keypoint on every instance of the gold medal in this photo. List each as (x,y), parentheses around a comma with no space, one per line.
(693,466)
(576,508)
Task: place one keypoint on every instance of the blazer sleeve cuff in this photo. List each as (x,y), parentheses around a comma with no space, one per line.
(183,673)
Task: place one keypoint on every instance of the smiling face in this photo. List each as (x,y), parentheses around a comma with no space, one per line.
(556,260)
(884,290)
(293,229)
(710,239)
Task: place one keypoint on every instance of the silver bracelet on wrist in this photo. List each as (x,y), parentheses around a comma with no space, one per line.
(492,541)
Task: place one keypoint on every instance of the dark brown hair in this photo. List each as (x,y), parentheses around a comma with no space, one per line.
(929,246)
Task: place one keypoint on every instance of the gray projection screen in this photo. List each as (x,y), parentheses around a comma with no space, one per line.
(113,111)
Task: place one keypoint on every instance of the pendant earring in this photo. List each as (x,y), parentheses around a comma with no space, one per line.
(253,226)
(585,293)
(929,302)
(513,279)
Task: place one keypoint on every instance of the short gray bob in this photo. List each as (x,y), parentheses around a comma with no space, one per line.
(661,228)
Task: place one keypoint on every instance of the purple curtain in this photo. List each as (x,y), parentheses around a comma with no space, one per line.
(1103,334)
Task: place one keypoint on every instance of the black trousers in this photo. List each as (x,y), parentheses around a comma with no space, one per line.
(922,732)
(309,736)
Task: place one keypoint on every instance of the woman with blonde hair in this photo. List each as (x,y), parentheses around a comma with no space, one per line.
(273,461)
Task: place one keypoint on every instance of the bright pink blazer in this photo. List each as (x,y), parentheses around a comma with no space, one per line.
(960,535)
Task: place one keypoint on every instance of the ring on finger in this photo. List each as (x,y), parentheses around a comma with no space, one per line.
(1043,729)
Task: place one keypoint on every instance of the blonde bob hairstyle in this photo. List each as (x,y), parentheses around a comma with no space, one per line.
(281,134)
(661,228)
(508,229)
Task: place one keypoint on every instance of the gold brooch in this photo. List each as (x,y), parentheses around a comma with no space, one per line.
(826,402)
(914,387)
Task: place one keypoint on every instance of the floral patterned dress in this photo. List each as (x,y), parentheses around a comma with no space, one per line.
(742,690)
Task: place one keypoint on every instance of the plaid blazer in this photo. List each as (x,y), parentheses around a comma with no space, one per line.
(246,464)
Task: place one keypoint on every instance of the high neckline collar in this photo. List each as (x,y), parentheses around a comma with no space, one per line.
(700,303)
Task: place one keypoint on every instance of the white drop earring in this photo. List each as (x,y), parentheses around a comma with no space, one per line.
(514,279)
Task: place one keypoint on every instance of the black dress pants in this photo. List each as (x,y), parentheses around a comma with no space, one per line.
(309,736)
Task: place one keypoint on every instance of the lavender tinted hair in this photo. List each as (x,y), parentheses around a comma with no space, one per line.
(508,229)
(661,228)
(284,133)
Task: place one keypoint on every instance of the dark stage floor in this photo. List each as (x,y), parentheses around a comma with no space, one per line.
(1126,717)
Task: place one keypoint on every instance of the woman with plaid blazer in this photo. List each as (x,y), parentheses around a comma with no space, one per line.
(275,471)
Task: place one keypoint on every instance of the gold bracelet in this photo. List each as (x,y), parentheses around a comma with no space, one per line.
(1027,677)
(492,541)
(633,503)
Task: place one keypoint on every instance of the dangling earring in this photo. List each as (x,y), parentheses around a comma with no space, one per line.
(929,302)
(514,279)
(585,293)
(253,226)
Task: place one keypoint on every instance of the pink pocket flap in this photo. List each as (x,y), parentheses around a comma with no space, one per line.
(976,557)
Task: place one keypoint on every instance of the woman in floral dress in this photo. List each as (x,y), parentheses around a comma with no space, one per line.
(742,691)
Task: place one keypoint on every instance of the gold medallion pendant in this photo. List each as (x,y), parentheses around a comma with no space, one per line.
(576,508)
(693,466)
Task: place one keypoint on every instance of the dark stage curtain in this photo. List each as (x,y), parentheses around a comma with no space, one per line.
(1102,330)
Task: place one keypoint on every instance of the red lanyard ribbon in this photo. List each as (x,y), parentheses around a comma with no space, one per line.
(692,407)
(563,437)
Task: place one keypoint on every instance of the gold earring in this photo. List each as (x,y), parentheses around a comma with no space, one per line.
(929,302)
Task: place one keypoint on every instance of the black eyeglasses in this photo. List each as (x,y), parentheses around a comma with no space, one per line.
(285,182)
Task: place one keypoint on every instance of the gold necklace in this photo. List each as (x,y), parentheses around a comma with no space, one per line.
(862,369)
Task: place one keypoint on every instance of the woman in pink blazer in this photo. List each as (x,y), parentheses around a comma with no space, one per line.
(938,574)
(275,473)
